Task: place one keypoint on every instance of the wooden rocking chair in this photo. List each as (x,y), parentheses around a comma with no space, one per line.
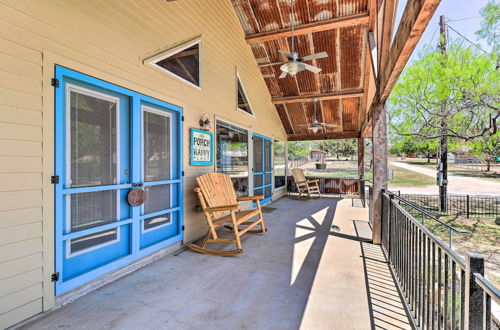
(304,185)
(217,197)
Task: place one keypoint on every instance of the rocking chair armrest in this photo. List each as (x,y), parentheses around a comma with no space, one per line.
(222,208)
(312,180)
(250,198)
(301,182)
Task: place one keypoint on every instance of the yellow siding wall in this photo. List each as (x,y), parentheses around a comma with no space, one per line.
(109,40)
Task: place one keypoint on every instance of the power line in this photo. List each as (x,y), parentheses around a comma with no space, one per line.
(463,19)
(434,33)
(474,44)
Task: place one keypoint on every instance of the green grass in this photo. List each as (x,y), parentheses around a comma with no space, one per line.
(484,238)
(401,177)
(406,178)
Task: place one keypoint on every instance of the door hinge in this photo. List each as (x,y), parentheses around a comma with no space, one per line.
(183,228)
(54,277)
(182,173)
(54,179)
(54,82)
(182,118)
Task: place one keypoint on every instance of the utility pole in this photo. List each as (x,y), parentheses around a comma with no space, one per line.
(442,176)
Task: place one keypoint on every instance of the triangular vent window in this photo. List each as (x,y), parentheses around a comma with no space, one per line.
(243,103)
(183,63)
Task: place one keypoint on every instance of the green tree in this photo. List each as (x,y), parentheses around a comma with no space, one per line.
(412,145)
(488,149)
(339,148)
(298,149)
(461,87)
(490,26)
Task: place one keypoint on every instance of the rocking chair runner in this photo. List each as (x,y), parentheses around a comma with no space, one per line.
(217,197)
(304,185)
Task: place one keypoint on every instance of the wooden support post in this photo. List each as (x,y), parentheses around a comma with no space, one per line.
(379,122)
(361,165)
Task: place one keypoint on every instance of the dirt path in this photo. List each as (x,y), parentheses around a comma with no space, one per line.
(456,184)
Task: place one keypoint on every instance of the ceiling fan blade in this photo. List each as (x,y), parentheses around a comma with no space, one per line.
(285,53)
(311,68)
(283,74)
(314,56)
(330,125)
(270,64)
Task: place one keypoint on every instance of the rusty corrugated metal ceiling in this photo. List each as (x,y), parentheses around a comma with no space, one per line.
(342,71)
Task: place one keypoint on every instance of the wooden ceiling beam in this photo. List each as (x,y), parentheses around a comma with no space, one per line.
(366,127)
(319,97)
(184,53)
(324,136)
(330,24)
(415,19)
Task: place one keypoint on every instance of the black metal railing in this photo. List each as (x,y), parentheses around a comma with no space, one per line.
(459,205)
(439,289)
(426,219)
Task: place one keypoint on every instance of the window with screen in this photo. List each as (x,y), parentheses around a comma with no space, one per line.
(279,164)
(232,155)
(243,103)
(183,63)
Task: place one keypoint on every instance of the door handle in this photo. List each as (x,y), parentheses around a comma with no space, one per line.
(137,185)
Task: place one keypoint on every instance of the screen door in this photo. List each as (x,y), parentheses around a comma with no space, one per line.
(262,167)
(108,141)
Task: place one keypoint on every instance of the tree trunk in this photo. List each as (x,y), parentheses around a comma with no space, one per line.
(488,166)
(429,159)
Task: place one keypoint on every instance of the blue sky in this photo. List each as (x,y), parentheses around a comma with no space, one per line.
(453,10)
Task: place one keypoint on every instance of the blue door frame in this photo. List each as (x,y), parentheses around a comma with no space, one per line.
(134,242)
(262,175)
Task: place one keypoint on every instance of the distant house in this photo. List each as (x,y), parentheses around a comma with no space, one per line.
(318,155)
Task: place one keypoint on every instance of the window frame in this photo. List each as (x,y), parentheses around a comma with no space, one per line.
(242,128)
(274,164)
(172,51)
(103,96)
(150,109)
(239,82)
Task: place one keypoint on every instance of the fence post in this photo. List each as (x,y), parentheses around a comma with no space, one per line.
(473,316)
(468,207)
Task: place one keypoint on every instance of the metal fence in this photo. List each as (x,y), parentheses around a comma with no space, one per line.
(439,289)
(458,205)
(329,187)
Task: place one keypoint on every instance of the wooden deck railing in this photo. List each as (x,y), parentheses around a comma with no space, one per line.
(330,187)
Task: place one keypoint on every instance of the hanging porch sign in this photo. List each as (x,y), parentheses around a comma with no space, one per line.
(201,148)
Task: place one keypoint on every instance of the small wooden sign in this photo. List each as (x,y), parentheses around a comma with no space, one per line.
(202,146)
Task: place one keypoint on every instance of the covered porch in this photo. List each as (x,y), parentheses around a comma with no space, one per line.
(303,273)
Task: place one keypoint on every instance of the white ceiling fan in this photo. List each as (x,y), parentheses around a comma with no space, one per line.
(295,64)
(316,125)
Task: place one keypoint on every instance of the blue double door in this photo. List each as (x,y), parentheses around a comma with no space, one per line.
(108,141)
(262,167)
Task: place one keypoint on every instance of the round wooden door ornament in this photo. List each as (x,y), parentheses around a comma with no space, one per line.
(136,197)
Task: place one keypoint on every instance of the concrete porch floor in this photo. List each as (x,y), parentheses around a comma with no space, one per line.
(300,274)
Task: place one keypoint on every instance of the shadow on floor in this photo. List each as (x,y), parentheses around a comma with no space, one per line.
(384,302)
(302,273)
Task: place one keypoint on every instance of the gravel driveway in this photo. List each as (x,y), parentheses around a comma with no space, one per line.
(459,185)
